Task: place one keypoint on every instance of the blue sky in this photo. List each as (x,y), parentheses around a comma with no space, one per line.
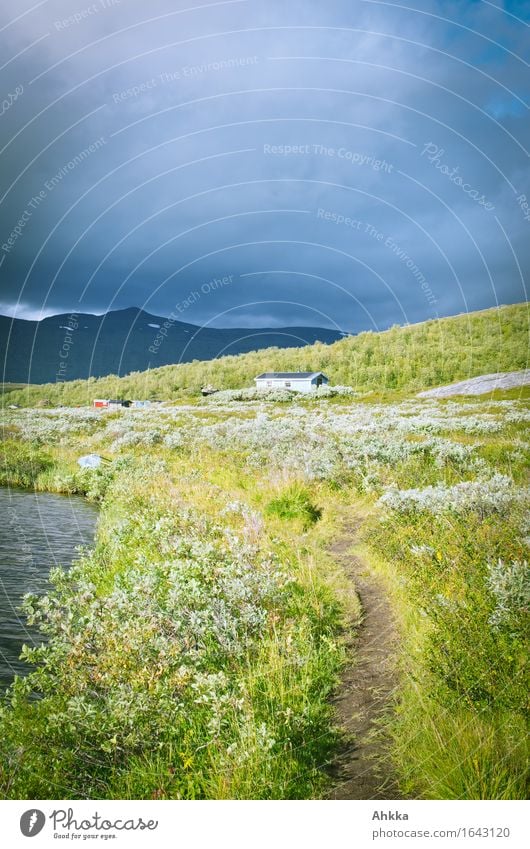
(347,164)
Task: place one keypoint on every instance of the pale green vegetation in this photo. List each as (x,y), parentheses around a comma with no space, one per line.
(404,359)
(194,651)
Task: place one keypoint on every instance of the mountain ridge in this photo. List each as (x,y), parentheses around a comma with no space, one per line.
(76,346)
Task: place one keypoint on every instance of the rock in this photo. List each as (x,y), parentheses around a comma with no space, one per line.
(480,385)
(90,461)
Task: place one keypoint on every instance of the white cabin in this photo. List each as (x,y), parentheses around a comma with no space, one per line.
(296,381)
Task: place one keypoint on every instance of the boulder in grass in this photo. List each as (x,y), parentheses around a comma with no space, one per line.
(90,461)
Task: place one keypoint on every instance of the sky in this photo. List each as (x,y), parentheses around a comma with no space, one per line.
(351,163)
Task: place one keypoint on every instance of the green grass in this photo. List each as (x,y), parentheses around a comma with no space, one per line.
(460,729)
(442,751)
(295,502)
(23,464)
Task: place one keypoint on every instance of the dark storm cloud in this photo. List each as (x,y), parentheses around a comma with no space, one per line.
(351,164)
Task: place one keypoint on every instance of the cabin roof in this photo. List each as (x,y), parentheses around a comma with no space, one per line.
(294,375)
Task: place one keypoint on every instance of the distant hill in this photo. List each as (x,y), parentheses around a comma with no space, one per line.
(410,358)
(77,345)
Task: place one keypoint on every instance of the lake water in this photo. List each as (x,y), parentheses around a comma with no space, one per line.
(37,531)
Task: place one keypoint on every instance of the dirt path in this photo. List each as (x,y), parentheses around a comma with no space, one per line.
(362,770)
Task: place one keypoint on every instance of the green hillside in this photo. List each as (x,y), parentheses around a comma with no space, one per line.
(407,358)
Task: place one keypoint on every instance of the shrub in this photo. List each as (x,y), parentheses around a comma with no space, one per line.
(295,503)
(231,396)
(22,463)
(509,583)
(496,495)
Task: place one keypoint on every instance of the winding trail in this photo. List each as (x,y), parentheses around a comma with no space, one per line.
(362,769)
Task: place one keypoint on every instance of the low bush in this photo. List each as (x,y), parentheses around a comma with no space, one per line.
(21,463)
(295,502)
